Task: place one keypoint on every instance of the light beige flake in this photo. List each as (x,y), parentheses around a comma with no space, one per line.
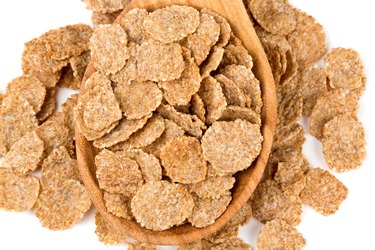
(291,136)
(106,6)
(183,160)
(233,94)
(141,246)
(213,187)
(308,40)
(232,113)
(314,84)
(232,243)
(68,111)
(98,18)
(289,109)
(138,99)
(60,207)
(206,211)
(237,54)
(278,234)
(59,167)
(225,29)
(129,72)
(47,78)
(197,107)
(213,61)
(132,23)
(291,178)
(232,146)
(196,245)
(117,173)
(160,62)
(72,75)
(172,23)
(28,88)
(109,48)
(328,106)
(344,69)
(242,217)
(118,205)
(17,193)
(121,132)
(25,155)
(290,155)
(224,234)
(49,105)
(344,144)
(106,233)
(161,205)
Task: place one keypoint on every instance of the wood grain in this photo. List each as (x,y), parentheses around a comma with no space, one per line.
(234,11)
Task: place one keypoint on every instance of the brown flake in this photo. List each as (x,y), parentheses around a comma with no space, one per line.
(197,107)
(107,233)
(106,6)
(237,54)
(213,187)
(225,29)
(129,72)
(233,94)
(141,246)
(232,113)
(98,18)
(49,105)
(212,62)
(232,243)
(132,23)
(118,205)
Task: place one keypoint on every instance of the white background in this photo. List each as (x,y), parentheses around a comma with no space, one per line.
(348,23)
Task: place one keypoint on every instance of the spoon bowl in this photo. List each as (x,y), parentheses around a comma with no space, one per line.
(246,181)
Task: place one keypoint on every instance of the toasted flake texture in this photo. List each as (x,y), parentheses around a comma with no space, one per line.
(213,99)
(197,107)
(183,160)
(291,178)
(60,207)
(47,78)
(59,167)
(237,54)
(206,211)
(106,6)
(213,187)
(212,62)
(68,111)
(225,29)
(232,243)
(118,204)
(277,234)
(232,146)
(292,136)
(290,104)
(160,62)
(138,99)
(117,173)
(1,98)
(25,155)
(196,245)
(308,40)
(141,246)
(49,105)
(28,88)
(323,191)
(161,205)
(109,48)
(98,18)
(106,233)
(330,105)
(129,72)
(73,75)
(232,113)
(132,23)
(17,193)
(233,94)
(314,84)
(224,234)
(344,144)
(290,155)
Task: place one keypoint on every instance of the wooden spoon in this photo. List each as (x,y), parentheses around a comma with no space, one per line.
(234,11)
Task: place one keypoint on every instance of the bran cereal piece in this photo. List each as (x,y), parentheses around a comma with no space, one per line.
(138,99)
(17,193)
(212,172)
(75,71)
(161,205)
(183,160)
(106,233)
(49,79)
(232,146)
(232,243)
(24,156)
(292,136)
(60,207)
(17,118)
(206,36)
(291,178)
(1,98)
(243,216)
(121,132)
(213,99)
(308,40)
(129,72)
(277,234)
(225,29)
(28,88)
(109,48)
(106,6)
(290,155)
(237,55)
(213,187)
(223,235)
(172,23)
(98,18)
(323,191)
(118,205)
(196,245)
(141,246)
(49,105)
(233,94)
(190,123)
(197,107)
(117,174)
(275,16)
(344,144)
(59,167)
(160,62)
(344,69)
(329,105)
(132,23)
(68,111)
(232,113)
(206,211)
(314,84)
(179,92)
(289,110)
(212,62)
(171,131)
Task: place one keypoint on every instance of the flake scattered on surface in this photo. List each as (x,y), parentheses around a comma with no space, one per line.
(74,73)
(225,29)
(212,62)
(117,173)
(118,204)
(106,6)
(237,54)
(60,207)
(292,136)
(344,144)
(98,18)
(233,94)
(132,23)
(197,107)
(213,187)
(232,113)
(172,23)
(243,216)
(161,205)
(232,243)
(224,234)
(291,178)
(109,48)
(183,160)
(277,234)
(17,193)
(106,232)
(68,111)
(290,155)
(232,146)
(49,105)
(129,72)
(290,109)
(141,246)
(47,78)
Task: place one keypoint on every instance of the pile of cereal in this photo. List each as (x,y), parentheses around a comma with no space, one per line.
(172,92)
